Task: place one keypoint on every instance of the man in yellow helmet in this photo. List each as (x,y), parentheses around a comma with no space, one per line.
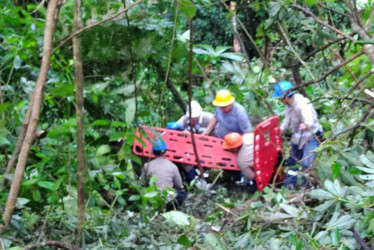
(230,116)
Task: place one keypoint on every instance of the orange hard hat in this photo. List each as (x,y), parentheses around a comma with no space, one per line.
(232,140)
(223,98)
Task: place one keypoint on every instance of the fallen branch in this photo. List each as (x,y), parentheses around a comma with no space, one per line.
(52,243)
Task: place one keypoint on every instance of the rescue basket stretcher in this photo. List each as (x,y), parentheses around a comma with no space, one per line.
(267,147)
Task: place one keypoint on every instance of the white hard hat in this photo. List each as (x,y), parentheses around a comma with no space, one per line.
(196,109)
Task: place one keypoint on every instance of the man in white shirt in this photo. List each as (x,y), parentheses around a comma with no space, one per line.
(200,119)
(302,120)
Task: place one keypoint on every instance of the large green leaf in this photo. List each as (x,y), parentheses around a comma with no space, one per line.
(213,242)
(130,111)
(188,8)
(274,8)
(47,185)
(177,218)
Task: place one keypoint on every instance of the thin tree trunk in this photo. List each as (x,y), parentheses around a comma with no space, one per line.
(35,112)
(190,99)
(236,46)
(296,76)
(81,162)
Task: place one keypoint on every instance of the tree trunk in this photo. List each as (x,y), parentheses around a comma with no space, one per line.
(81,162)
(296,76)
(35,112)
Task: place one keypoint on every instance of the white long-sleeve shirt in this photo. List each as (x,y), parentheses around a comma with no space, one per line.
(301,111)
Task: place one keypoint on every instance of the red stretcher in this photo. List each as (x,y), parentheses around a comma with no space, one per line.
(267,147)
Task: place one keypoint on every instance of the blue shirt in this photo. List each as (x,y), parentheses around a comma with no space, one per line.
(237,120)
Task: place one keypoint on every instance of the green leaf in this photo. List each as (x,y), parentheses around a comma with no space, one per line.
(4,106)
(310,2)
(366,161)
(274,8)
(21,202)
(134,197)
(62,91)
(46,184)
(151,194)
(130,112)
(53,198)
(100,123)
(116,182)
(103,149)
(36,196)
(183,240)
(321,194)
(28,183)
(17,62)
(214,242)
(335,170)
(188,8)
(243,241)
(177,218)
(293,211)
(366,170)
(371,226)
(324,206)
(335,237)
(300,246)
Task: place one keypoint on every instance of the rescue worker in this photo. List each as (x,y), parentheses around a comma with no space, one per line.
(230,116)
(302,120)
(243,146)
(200,119)
(166,171)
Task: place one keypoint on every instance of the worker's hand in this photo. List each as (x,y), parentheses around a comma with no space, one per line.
(302,127)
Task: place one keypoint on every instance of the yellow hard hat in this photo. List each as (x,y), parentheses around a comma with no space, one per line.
(223,98)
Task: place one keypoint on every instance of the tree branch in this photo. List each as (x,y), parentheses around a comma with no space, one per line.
(370,22)
(52,243)
(323,23)
(331,70)
(364,118)
(358,83)
(334,10)
(359,28)
(77,32)
(324,47)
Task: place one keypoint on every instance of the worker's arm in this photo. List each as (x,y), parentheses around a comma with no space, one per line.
(178,184)
(211,126)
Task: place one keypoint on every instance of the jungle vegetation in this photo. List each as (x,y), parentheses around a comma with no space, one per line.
(77,76)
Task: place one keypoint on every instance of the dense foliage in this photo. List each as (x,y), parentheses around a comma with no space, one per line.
(133,65)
